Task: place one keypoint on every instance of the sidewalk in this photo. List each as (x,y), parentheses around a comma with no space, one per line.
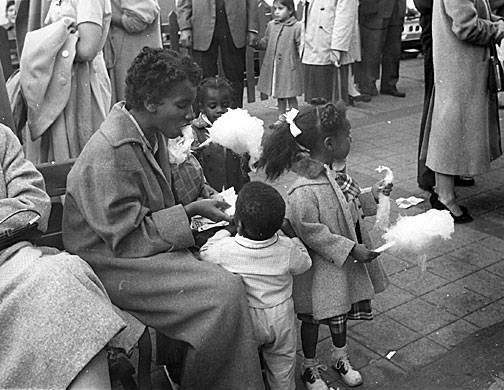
(445,326)
(424,318)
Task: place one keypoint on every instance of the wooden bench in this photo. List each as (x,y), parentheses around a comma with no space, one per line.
(55,177)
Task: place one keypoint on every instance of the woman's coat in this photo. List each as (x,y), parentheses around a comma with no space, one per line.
(320,216)
(330,25)
(464,134)
(281,74)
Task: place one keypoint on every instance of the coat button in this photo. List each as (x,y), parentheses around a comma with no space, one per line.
(322,9)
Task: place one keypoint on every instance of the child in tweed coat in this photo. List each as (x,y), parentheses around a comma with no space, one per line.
(325,208)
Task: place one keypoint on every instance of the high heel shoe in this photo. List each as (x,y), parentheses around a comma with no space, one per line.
(465,217)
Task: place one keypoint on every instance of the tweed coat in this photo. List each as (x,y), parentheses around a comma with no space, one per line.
(281,75)
(55,315)
(121,216)
(330,25)
(463,130)
(199,16)
(320,215)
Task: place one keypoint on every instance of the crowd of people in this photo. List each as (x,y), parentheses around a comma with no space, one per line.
(97,87)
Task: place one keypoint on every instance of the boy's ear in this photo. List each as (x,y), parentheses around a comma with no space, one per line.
(329,143)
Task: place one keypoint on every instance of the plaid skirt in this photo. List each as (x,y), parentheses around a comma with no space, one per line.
(359,311)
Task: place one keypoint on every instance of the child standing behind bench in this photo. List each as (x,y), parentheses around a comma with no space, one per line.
(266,262)
(222,167)
(281,75)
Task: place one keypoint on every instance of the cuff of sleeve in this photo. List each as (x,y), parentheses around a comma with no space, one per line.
(344,248)
(173,226)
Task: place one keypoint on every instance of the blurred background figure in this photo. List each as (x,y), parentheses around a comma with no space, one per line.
(381,24)
(135,24)
(10,15)
(210,26)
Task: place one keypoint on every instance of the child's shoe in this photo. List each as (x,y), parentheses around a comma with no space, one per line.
(311,375)
(341,363)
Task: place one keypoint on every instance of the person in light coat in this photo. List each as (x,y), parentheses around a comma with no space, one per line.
(462,136)
(330,42)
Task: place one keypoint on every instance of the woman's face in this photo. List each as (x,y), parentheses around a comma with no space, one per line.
(175,110)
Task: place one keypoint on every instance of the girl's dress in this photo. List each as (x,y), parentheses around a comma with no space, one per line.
(281,74)
(326,210)
(222,167)
(66,100)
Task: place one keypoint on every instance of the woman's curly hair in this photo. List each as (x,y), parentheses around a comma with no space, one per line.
(319,120)
(153,72)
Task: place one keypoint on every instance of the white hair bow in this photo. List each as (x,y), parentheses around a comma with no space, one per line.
(289,117)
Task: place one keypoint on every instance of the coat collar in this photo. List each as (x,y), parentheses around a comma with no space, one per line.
(289,22)
(308,167)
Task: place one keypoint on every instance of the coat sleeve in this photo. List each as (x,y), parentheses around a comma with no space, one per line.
(467,25)
(24,185)
(424,6)
(252,16)
(210,251)
(129,228)
(300,260)
(344,23)
(263,43)
(304,216)
(184,14)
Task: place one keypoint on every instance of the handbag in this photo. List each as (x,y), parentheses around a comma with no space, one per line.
(495,72)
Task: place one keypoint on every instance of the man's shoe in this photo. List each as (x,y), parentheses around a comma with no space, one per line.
(371,91)
(342,364)
(392,92)
(363,97)
(312,379)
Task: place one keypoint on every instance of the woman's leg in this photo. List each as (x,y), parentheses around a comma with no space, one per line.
(95,375)
(282,106)
(445,188)
(293,103)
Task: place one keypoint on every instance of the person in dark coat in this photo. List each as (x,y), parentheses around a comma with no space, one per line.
(207,26)
(381,24)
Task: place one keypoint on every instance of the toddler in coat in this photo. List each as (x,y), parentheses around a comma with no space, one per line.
(281,75)
(222,167)
(266,262)
(325,207)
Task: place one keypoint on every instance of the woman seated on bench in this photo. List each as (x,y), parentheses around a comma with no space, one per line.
(121,216)
(55,316)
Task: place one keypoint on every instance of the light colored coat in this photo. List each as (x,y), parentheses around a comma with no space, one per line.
(463,127)
(331,25)
(199,16)
(140,27)
(321,217)
(55,315)
(281,74)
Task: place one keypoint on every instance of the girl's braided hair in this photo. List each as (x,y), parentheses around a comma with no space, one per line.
(214,82)
(153,72)
(316,121)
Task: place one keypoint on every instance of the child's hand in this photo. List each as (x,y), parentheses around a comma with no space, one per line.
(380,186)
(361,254)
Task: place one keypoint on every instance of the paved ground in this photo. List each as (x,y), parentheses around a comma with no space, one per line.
(446,325)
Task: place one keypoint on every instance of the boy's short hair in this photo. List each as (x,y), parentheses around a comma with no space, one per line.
(261,210)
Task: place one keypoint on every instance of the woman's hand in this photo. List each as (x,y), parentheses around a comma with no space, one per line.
(380,186)
(212,209)
(361,254)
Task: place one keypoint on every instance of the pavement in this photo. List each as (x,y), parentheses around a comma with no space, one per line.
(438,329)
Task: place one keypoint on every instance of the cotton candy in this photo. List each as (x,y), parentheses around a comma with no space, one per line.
(383,211)
(240,132)
(416,233)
